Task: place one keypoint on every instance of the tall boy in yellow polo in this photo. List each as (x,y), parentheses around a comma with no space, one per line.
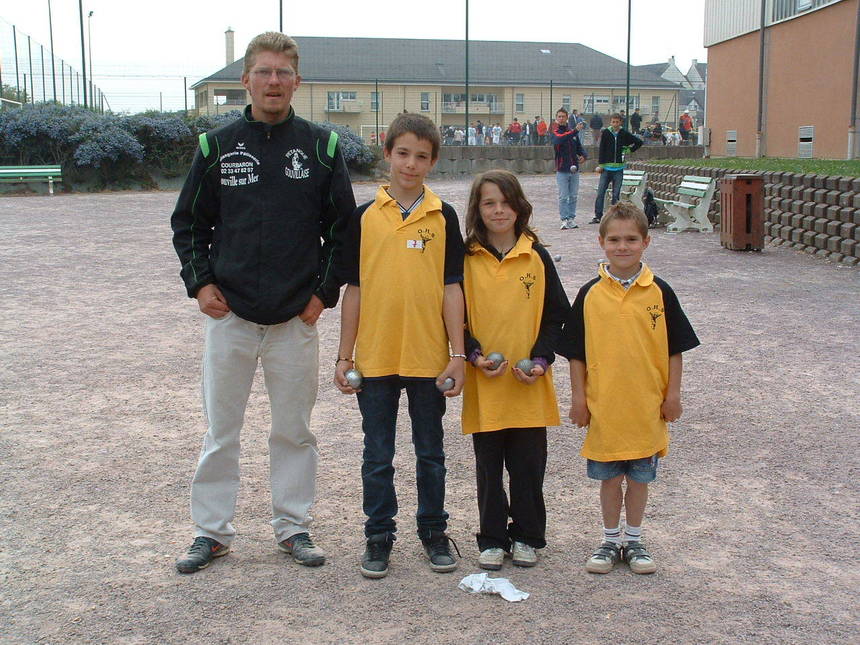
(624,339)
(402,313)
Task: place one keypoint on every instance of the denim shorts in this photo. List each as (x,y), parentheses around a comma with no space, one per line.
(643,470)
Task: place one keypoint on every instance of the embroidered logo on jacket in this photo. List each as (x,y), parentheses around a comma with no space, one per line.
(239,167)
(528,281)
(655,311)
(295,168)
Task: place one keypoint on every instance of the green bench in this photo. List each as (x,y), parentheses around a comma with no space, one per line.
(633,187)
(27,174)
(690,210)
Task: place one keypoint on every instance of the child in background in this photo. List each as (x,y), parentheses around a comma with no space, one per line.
(402,259)
(515,306)
(624,340)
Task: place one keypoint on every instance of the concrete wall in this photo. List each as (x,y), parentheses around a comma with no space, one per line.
(819,214)
(460,160)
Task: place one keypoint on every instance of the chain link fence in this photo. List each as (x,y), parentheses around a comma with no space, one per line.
(31,73)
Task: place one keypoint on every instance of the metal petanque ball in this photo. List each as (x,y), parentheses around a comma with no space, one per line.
(447,384)
(557,258)
(526,366)
(497,359)
(354,378)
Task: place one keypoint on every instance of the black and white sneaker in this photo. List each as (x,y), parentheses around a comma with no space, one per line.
(374,562)
(200,554)
(439,552)
(604,558)
(638,558)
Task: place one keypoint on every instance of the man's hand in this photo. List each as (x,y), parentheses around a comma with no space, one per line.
(579,412)
(312,311)
(212,302)
(486,366)
(340,381)
(671,409)
(536,372)
(456,370)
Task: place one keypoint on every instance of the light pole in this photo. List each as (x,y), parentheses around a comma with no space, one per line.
(281,14)
(83,50)
(53,68)
(466,142)
(627,92)
(90,51)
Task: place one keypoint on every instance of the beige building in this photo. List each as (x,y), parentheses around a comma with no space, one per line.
(782,77)
(364,83)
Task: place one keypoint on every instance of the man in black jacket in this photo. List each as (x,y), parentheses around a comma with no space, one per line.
(615,142)
(253,228)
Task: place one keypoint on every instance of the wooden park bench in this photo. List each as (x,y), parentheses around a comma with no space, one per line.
(690,210)
(632,189)
(27,174)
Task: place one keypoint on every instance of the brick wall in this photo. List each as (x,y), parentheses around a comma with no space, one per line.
(819,214)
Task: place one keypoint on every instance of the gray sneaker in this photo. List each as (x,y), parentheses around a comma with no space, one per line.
(303,550)
(491,559)
(523,555)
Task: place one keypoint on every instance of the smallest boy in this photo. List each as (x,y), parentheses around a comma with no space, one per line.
(403,262)
(624,340)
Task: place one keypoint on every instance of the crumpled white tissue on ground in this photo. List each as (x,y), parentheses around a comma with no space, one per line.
(482,583)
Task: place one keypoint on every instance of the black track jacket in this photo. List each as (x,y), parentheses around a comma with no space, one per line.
(258,213)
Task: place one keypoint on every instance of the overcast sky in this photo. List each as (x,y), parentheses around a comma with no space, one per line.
(142,48)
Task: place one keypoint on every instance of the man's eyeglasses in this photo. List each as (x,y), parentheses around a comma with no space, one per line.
(265,73)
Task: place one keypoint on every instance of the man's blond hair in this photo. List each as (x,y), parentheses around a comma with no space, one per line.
(272,41)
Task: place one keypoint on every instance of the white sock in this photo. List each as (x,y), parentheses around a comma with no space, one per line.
(632,534)
(612,535)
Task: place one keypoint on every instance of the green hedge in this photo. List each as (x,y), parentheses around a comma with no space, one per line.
(121,151)
(839,167)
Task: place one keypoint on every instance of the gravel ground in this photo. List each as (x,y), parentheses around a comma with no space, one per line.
(751,520)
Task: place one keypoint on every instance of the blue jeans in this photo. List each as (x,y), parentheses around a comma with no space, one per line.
(568,191)
(378,402)
(616,177)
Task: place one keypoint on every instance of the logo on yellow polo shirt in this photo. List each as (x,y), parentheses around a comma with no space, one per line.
(426,236)
(655,311)
(528,281)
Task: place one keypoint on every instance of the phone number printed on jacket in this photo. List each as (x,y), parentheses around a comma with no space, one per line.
(242,170)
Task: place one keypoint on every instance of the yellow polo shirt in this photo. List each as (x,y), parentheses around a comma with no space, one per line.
(625,338)
(504,309)
(401,268)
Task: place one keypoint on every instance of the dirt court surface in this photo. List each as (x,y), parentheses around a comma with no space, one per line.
(752,521)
